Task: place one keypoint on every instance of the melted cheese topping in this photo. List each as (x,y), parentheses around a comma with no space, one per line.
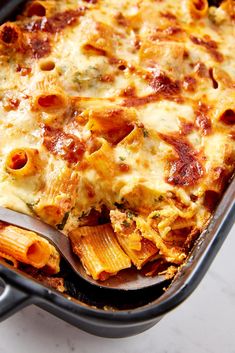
(130,104)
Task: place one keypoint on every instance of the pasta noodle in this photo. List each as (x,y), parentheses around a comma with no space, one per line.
(197,8)
(24,246)
(53,264)
(39,8)
(23,162)
(10,35)
(55,201)
(99,251)
(97,37)
(117,128)
(10,258)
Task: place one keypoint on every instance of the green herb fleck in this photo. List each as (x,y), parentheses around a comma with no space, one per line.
(130,214)
(31,205)
(122,158)
(83,214)
(145,133)
(126,224)
(156,215)
(160,198)
(64,220)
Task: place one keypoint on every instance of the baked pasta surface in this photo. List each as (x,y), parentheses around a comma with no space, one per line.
(117,125)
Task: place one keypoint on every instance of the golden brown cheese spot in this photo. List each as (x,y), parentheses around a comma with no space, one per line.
(10,103)
(201,70)
(128,92)
(91,1)
(55,23)
(169,15)
(39,47)
(9,33)
(189,83)
(186,127)
(67,146)
(164,88)
(202,120)
(121,20)
(134,101)
(208,44)
(164,85)
(186,169)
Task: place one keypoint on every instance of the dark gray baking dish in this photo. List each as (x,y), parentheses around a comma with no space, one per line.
(136,311)
(109,313)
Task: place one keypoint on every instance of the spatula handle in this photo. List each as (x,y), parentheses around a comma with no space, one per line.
(7,7)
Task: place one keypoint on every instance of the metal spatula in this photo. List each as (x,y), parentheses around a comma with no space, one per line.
(7,8)
(129,279)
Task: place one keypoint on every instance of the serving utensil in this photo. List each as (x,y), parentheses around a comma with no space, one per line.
(129,279)
(8,7)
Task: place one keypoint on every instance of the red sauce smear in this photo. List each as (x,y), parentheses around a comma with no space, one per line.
(65,145)
(186,170)
(55,23)
(166,33)
(210,45)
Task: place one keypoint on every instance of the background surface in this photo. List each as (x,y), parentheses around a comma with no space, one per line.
(204,323)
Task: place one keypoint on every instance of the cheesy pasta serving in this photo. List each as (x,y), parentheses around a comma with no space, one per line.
(117,127)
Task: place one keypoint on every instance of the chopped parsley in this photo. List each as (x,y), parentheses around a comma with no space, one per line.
(122,158)
(64,220)
(160,198)
(130,214)
(83,214)
(145,133)
(156,215)
(126,224)
(31,205)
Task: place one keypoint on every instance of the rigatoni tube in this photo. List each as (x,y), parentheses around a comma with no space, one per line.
(24,246)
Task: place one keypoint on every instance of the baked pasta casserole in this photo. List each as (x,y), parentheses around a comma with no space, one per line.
(117,127)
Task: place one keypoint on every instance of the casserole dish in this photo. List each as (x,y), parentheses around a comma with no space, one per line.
(113,313)
(21,291)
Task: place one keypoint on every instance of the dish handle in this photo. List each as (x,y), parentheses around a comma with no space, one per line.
(12,299)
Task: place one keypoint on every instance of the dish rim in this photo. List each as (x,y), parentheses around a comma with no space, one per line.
(191,273)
